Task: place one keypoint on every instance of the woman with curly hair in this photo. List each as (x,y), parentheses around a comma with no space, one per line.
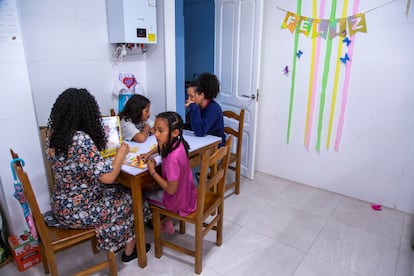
(84,195)
(204,114)
(136,124)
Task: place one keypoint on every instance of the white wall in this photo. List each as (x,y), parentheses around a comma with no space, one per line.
(155,65)
(17,120)
(66,45)
(375,160)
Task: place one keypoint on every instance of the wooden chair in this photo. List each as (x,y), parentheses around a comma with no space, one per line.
(209,212)
(48,168)
(52,239)
(235,156)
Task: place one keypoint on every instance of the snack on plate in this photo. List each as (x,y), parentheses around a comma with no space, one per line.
(133,149)
(141,163)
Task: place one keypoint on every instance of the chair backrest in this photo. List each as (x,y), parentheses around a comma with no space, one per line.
(48,167)
(31,200)
(213,174)
(237,133)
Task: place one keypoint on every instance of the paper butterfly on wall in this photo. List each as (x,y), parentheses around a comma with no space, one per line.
(299,53)
(345,58)
(286,70)
(347,41)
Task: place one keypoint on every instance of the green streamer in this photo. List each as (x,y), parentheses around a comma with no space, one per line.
(325,77)
(292,87)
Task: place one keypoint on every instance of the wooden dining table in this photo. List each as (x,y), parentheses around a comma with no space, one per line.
(138,179)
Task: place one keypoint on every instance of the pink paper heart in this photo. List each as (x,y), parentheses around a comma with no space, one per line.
(129,82)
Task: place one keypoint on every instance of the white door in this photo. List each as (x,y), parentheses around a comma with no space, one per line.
(238,28)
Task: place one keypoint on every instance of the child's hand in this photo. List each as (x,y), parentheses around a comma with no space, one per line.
(188,102)
(122,150)
(151,164)
(143,156)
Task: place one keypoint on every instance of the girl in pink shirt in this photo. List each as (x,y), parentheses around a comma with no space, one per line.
(179,192)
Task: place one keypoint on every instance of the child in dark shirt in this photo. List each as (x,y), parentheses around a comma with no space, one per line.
(204,114)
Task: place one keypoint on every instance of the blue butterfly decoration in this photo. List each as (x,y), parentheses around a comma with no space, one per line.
(286,70)
(345,58)
(347,41)
(299,53)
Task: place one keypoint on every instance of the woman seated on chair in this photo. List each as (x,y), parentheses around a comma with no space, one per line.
(204,114)
(84,195)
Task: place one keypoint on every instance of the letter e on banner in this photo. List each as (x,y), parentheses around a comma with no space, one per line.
(305,25)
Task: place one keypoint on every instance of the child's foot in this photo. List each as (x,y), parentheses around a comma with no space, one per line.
(168,227)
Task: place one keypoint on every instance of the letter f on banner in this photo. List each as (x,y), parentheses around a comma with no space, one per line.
(291,19)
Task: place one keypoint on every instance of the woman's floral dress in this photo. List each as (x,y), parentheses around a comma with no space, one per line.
(80,200)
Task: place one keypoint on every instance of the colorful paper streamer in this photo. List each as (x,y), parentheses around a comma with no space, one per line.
(336,81)
(314,68)
(292,87)
(345,87)
(325,81)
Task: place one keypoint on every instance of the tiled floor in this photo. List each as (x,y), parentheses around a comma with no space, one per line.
(278,227)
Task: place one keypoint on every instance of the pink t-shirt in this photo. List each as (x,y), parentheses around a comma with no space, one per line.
(176,166)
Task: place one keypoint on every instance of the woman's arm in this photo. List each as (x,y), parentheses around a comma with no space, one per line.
(109,178)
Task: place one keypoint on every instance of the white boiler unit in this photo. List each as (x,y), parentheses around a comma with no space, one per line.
(132,21)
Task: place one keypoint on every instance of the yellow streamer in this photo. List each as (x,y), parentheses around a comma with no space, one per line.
(312,75)
(336,81)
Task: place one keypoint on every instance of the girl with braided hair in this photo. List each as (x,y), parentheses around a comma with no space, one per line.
(179,194)
(84,195)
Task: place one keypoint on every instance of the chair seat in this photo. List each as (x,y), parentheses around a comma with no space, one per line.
(209,203)
(61,238)
(232,158)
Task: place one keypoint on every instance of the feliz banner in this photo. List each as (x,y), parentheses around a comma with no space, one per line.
(325,28)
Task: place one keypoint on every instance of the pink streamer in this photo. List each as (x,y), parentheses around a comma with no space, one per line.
(346,85)
(315,79)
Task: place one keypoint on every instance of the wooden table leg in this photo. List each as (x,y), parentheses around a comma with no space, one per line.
(139,225)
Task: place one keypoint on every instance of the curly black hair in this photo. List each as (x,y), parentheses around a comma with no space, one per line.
(133,108)
(75,110)
(208,84)
(174,121)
